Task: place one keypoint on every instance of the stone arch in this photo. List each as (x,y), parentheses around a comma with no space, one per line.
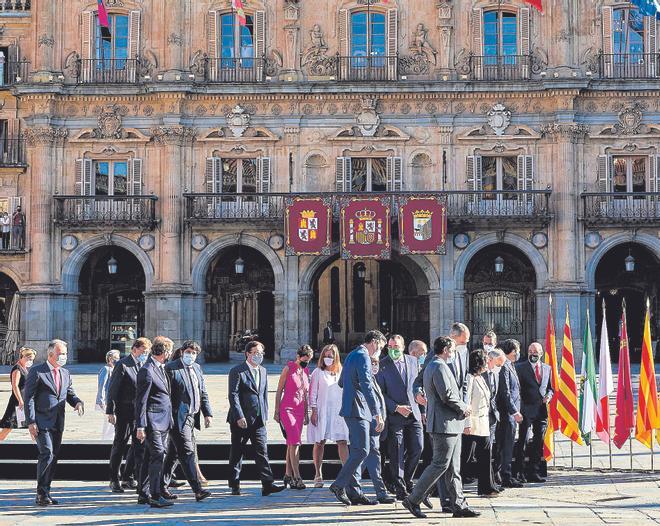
(208,255)
(316,172)
(73,264)
(645,240)
(11,273)
(535,257)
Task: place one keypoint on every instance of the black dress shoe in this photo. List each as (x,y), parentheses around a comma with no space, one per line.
(52,501)
(41,500)
(160,503)
(466,513)
(202,495)
(167,495)
(340,495)
(427,502)
(143,499)
(364,500)
(386,499)
(116,487)
(176,483)
(268,489)
(235,490)
(511,484)
(129,484)
(535,478)
(414,509)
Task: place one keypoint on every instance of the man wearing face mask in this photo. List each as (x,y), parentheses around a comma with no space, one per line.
(495,361)
(489,341)
(189,399)
(153,419)
(359,408)
(535,393)
(247,417)
(120,410)
(48,389)
(405,437)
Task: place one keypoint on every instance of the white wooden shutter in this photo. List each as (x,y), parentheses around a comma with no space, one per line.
(524,40)
(260,41)
(135,177)
(343,33)
(526,177)
(604,175)
(343,174)
(87,50)
(15,202)
(477,41)
(212,37)
(608,45)
(83,177)
(394,174)
(650,30)
(264,174)
(133,43)
(654,175)
(213,175)
(473,175)
(392,44)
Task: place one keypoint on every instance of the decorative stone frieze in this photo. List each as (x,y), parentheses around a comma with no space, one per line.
(44,135)
(571,131)
(164,135)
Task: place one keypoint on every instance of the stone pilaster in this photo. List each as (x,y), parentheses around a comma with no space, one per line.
(305,306)
(45,19)
(290,305)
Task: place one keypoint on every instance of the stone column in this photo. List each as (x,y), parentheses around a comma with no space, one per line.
(305,306)
(436,314)
(290,307)
(174,17)
(446,26)
(46,28)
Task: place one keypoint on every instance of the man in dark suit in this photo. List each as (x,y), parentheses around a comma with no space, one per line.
(359,406)
(328,334)
(47,389)
(508,404)
(535,392)
(495,361)
(153,419)
(189,398)
(247,417)
(445,421)
(405,436)
(120,409)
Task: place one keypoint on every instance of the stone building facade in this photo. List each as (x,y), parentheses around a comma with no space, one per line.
(169,152)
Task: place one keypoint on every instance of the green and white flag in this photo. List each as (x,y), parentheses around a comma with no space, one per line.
(588,398)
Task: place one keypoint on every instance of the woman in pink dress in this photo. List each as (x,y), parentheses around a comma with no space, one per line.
(291,411)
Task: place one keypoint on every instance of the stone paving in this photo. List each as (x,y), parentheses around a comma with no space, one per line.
(571,498)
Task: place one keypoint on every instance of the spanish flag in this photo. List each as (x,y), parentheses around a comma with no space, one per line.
(551,360)
(647,397)
(567,403)
(103,22)
(237,5)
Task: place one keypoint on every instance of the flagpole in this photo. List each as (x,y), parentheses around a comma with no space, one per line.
(631,453)
(591,458)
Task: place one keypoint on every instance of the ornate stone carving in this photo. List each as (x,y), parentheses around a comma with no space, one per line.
(46,40)
(499,119)
(630,121)
(198,63)
(417,64)
(163,135)
(315,57)
(44,135)
(538,60)
(146,64)
(72,65)
(291,10)
(368,119)
(109,123)
(421,45)
(463,62)
(571,131)
(591,60)
(175,40)
(238,121)
(273,63)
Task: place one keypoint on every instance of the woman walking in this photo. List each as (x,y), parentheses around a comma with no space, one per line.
(325,402)
(291,411)
(14,416)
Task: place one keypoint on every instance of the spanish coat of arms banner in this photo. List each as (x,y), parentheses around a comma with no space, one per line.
(308,226)
(422,224)
(365,228)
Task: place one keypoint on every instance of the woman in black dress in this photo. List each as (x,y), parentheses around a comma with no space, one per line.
(17,377)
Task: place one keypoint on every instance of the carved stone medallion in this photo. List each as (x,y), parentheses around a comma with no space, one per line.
(499,119)
(238,121)
(368,119)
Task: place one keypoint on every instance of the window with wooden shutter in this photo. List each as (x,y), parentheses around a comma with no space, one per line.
(135,177)
(473,175)
(608,46)
(604,176)
(83,177)
(650,31)
(260,41)
(654,176)
(264,174)
(213,175)
(212,38)
(87,38)
(133,43)
(343,174)
(394,174)
(525,39)
(392,43)
(526,176)
(343,32)
(477,38)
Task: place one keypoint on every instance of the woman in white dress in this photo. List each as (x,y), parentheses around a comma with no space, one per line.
(325,402)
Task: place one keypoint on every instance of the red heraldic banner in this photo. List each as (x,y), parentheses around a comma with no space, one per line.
(308,226)
(365,228)
(422,224)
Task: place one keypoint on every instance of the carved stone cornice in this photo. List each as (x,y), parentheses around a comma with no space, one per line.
(164,135)
(44,135)
(566,131)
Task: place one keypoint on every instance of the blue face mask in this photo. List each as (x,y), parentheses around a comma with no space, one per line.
(142,358)
(188,358)
(421,359)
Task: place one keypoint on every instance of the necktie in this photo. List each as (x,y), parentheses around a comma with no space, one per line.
(56,378)
(538,373)
(195,390)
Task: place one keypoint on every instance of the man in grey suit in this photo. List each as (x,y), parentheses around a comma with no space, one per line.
(446,412)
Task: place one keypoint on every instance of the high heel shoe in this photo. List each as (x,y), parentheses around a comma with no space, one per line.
(318,482)
(288,480)
(298,484)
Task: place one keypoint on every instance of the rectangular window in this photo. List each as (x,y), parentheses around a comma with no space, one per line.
(368,175)
(236,41)
(629,174)
(113,54)
(499,174)
(110,178)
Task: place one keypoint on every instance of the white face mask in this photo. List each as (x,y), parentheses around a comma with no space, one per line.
(497,369)
(328,361)
(188,358)
(61,360)
(256,359)
(29,363)
(374,369)
(451,358)
(488,348)
(461,347)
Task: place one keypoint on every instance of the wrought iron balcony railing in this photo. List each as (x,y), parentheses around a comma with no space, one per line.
(14,72)
(14,5)
(107,71)
(234,69)
(12,152)
(464,208)
(496,67)
(133,211)
(630,65)
(621,208)
(367,68)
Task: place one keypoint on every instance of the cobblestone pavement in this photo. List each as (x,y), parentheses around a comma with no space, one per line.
(571,498)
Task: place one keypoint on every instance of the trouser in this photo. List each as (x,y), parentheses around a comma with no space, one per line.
(152,466)
(506,434)
(358,451)
(480,447)
(182,446)
(535,448)
(257,436)
(445,464)
(494,452)
(405,443)
(5,240)
(373,466)
(48,444)
(18,237)
(125,430)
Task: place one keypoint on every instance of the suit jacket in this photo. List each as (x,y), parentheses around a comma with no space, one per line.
(183,391)
(153,406)
(395,390)
(445,403)
(45,406)
(532,392)
(460,375)
(493,410)
(357,382)
(328,335)
(479,421)
(246,399)
(508,397)
(123,387)
(382,411)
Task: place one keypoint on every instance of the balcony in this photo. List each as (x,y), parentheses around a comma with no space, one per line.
(465,209)
(622,208)
(12,153)
(14,72)
(496,67)
(14,6)
(135,211)
(367,68)
(629,66)
(107,71)
(234,69)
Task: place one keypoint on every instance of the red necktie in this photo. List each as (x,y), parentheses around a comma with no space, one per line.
(538,373)
(56,377)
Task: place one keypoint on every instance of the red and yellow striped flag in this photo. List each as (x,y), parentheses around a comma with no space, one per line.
(647,396)
(237,5)
(551,360)
(567,403)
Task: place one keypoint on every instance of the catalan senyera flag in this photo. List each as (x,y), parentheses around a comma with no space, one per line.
(103,22)
(538,4)
(588,400)
(605,384)
(623,421)
(237,6)
(551,360)
(567,403)
(647,396)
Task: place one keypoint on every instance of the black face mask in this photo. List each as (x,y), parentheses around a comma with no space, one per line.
(533,358)
(304,364)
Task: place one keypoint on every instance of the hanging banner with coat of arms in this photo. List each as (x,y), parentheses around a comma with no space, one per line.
(422,224)
(365,228)
(308,226)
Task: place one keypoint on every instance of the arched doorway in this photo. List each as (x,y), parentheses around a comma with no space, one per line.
(9,319)
(239,306)
(614,283)
(357,296)
(111,305)
(501,299)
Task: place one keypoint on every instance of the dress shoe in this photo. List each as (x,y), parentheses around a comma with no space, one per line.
(364,500)
(535,478)
(176,483)
(340,494)
(511,484)
(160,503)
(116,487)
(446,510)
(414,509)
(427,502)
(499,489)
(52,501)
(167,495)
(202,495)
(143,499)
(41,500)
(129,484)
(386,499)
(401,494)
(235,490)
(268,489)
(466,513)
